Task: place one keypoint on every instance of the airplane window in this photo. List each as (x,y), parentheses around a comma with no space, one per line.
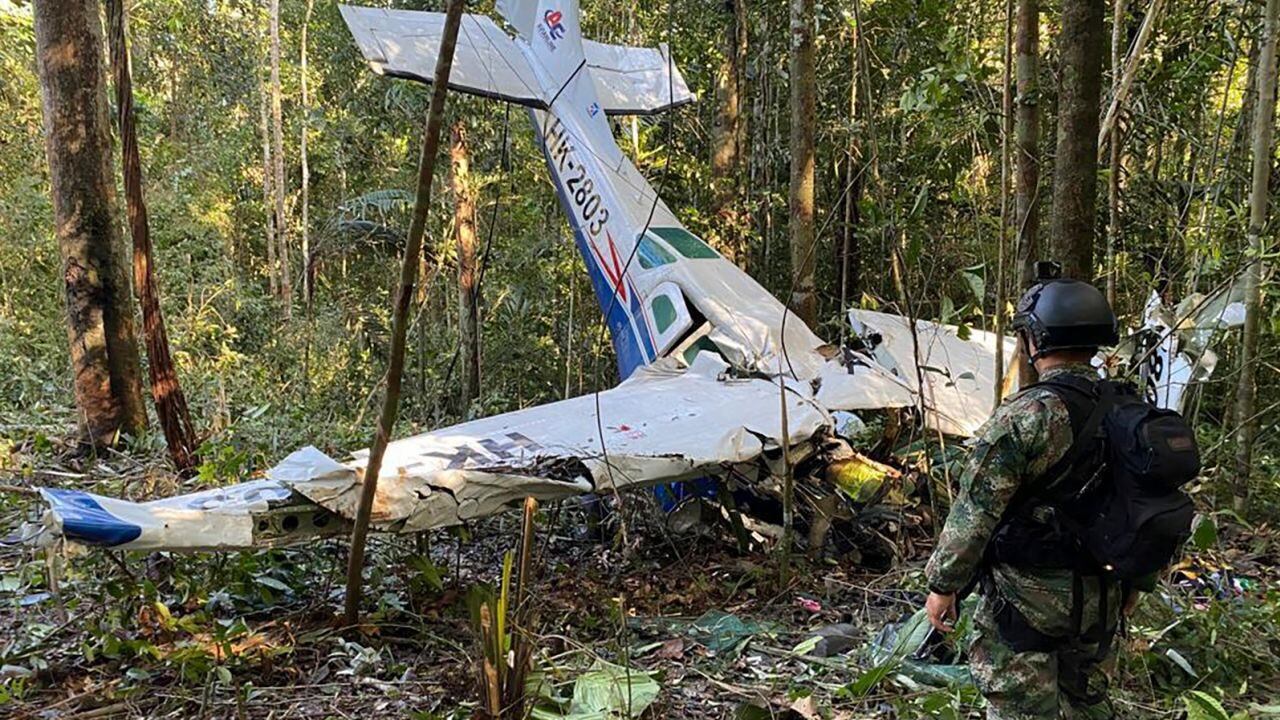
(685,243)
(652,254)
(664,312)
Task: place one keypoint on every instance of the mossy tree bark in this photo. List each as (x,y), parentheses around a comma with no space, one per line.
(803,301)
(1081,46)
(100,325)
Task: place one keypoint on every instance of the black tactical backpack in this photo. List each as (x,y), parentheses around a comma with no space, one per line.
(1116,495)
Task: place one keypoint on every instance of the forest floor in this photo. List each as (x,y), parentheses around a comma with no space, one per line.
(253,635)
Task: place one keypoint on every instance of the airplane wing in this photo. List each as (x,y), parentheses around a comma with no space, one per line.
(664,424)
(958,375)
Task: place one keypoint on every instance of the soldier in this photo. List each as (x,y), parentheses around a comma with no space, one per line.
(1041,629)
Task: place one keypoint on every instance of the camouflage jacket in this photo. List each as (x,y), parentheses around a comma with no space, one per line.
(1024,438)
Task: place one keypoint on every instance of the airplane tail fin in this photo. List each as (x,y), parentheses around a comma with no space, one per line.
(521,14)
(554,35)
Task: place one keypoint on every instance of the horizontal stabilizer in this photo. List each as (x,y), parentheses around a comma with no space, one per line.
(488,62)
(405,43)
(634,80)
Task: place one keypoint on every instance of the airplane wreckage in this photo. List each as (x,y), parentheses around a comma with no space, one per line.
(717,379)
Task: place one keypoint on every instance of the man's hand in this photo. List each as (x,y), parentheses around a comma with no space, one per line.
(941,610)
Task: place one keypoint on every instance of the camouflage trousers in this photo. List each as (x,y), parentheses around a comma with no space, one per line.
(1030,685)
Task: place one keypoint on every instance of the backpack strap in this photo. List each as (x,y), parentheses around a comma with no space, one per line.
(1088,402)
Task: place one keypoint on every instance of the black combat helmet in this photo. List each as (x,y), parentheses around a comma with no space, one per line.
(1063,314)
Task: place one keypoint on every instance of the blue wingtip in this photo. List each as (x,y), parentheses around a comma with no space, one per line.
(85,520)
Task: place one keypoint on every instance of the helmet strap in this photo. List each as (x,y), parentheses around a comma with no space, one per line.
(1024,335)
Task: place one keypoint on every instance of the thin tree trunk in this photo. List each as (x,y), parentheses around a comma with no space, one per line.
(308,270)
(399,321)
(277,158)
(166,391)
(1006,137)
(268,194)
(1263,128)
(803,101)
(741,48)
(104,350)
(1113,164)
(759,157)
(1248,103)
(468,301)
(726,141)
(1124,80)
(1075,167)
(1027,195)
(850,254)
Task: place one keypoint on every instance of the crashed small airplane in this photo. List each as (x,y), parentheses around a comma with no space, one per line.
(716,378)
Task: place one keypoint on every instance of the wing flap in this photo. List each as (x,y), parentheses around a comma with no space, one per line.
(405,43)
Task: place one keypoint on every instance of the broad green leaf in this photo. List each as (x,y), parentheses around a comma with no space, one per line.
(1205,534)
(1203,706)
(604,692)
(976,284)
(806,647)
(274,584)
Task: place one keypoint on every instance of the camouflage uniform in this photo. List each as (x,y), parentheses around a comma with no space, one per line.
(1026,436)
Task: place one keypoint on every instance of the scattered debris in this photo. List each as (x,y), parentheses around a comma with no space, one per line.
(832,640)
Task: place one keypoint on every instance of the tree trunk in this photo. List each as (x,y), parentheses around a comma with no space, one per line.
(468,290)
(104,350)
(166,391)
(1027,196)
(1124,78)
(803,100)
(1244,127)
(727,137)
(1113,164)
(1075,168)
(1006,137)
(850,258)
(1263,127)
(277,158)
(761,157)
(400,314)
(308,270)
(268,194)
(1027,187)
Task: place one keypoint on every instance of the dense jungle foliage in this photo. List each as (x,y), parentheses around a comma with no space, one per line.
(926,120)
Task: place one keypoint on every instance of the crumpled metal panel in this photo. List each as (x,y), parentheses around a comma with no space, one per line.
(958,376)
(663,424)
(221,518)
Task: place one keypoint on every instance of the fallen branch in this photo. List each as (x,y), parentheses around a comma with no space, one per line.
(1130,71)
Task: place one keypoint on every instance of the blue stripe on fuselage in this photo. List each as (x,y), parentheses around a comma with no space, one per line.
(631,343)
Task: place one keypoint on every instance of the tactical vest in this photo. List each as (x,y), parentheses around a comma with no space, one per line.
(1111,508)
